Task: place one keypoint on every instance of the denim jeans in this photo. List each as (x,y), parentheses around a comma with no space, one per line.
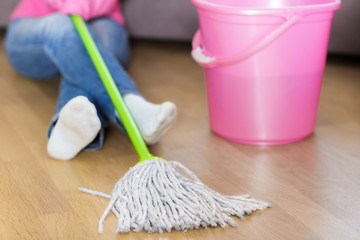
(48,47)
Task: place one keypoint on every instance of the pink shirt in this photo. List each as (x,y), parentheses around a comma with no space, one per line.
(88,9)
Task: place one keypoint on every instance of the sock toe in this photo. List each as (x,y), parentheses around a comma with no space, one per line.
(160,123)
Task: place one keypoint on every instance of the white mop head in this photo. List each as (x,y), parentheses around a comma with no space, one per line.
(156,197)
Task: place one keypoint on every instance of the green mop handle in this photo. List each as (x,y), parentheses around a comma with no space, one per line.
(108,81)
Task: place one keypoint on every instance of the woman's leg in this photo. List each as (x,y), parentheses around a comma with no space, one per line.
(25,50)
(76,125)
(113,37)
(57,41)
(151,119)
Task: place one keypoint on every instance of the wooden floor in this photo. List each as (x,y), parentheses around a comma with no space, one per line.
(314,185)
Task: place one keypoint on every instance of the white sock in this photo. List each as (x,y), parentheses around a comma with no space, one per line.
(152,119)
(77,126)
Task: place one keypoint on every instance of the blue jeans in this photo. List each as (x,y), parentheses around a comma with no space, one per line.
(48,47)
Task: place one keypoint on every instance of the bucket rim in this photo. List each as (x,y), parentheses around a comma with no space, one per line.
(219,8)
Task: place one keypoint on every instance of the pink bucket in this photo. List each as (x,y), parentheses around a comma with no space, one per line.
(264,63)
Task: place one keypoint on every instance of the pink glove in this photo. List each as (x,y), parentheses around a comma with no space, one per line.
(87,9)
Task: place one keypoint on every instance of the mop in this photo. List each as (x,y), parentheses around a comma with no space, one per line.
(157,195)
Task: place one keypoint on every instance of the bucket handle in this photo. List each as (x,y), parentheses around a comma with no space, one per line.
(209,62)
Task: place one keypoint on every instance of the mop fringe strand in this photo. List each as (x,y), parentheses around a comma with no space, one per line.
(155,196)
